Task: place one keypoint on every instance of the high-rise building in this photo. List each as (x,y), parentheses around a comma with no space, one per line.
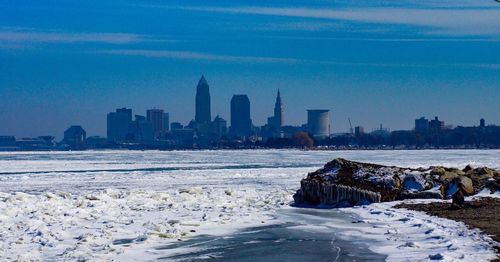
(118,123)
(75,137)
(421,125)
(318,123)
(203,115)
(166,121)
(482,122)
(278,112)
(241,123)
(436,125)
(157,118)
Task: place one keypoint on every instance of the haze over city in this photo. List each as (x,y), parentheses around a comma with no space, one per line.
(63,64)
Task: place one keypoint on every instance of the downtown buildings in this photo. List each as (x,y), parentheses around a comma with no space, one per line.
(155,131)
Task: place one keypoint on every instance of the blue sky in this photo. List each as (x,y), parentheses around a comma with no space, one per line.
(389,62)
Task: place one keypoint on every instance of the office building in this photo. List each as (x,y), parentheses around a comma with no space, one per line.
(219,127)
(141,130)
(203,114)
(421,125)
(156,117)
(118,123)
(241,123)
(318,123)
(436,125)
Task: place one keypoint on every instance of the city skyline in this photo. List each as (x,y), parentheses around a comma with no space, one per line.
(202,115)
(371,62)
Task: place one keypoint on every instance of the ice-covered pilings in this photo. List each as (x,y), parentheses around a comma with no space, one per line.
(334,194)
(330,194)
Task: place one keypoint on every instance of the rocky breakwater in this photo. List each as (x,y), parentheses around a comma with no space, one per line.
(345,183)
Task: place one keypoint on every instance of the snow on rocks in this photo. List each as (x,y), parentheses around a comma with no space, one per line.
(371,183)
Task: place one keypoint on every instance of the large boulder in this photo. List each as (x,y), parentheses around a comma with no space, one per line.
(463,183)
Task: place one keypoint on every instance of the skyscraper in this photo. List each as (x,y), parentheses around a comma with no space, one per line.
(118,123)
(278,112)
(203,115)
(318,123)
(157,118)
(241,123)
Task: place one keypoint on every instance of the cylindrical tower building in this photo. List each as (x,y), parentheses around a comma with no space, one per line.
(318,123)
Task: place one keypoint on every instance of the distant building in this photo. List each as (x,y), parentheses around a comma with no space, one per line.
(75,137)
(219,127)
(482,122)
(278,112)
(359,131)
(289,131)
(241,123)
(166,122)
(203,114)
(7,141)
(118,123)
(184,137)
(175,126)
(141,130)
(381,132)
(49,140)
(28,143)
(157,118)
(275,122)
(436,125)
(96,142)
(421,125)
(318,123)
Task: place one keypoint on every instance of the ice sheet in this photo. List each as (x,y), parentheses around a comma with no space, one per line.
(121,204)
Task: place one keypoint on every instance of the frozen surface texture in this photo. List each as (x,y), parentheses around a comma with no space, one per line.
(105,205)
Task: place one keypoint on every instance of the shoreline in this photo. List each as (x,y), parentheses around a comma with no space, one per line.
(478,213)
(404,234)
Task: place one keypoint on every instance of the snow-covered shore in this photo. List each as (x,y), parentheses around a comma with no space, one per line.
(406,235)
(113,223)
(125,214)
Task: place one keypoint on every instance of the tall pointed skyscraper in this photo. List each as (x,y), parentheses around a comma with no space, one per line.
(278,112)
(203,115)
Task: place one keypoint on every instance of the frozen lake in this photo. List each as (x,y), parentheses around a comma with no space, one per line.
(232,205)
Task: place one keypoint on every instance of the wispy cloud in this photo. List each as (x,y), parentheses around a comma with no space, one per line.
(436,20)
(14,35)
(187,55)
(387,39)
